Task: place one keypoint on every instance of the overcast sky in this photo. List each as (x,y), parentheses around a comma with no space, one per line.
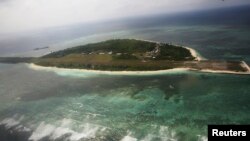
(23,15)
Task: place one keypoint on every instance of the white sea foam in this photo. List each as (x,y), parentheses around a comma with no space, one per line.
(89,131)
(163,130)
(43,130)
(128,138)
(202,138)
(151,137)
(15,123)
(73,135)
(9,123)
(164,134)
(21,128)
(60,131)
(53,132)
(66,122)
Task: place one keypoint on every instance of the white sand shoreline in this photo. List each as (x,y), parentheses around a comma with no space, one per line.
(37,67)
(244,65)
(157,72)
(222,71)
(193,52)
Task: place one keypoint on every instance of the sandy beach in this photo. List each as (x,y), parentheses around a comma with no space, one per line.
(37,67)
(193,52)
(244,65)
(222,72)
(158,72)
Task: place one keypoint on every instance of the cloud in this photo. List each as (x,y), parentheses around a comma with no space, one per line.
(18,15)
(2,1)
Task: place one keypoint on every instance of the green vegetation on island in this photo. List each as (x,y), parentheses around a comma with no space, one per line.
(129,49)
(129,55)
(119,54)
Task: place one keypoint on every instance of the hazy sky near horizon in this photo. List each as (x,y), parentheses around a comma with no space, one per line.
(24,15)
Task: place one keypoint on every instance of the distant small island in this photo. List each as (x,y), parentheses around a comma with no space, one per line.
(132,55)
(41,48)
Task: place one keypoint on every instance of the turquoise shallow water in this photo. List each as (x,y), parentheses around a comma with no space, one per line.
(51,106)
(72,105)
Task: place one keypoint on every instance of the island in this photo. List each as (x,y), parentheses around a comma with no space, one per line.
(133,55)
(41,48)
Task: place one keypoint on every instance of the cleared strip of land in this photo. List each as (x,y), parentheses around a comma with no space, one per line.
(134,56)
(105,62)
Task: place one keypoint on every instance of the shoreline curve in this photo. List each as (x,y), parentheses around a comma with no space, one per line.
(157,72)
(193,52)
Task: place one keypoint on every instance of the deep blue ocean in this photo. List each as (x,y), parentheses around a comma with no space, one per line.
(60,105)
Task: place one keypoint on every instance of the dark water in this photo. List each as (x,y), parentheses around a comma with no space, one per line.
(72,105)
(68,105)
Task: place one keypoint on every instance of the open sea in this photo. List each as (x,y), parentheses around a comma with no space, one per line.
(40,105)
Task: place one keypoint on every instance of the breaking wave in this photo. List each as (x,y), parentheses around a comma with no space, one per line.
(45,131)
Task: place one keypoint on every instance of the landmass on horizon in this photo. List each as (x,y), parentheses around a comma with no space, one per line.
(132,55)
